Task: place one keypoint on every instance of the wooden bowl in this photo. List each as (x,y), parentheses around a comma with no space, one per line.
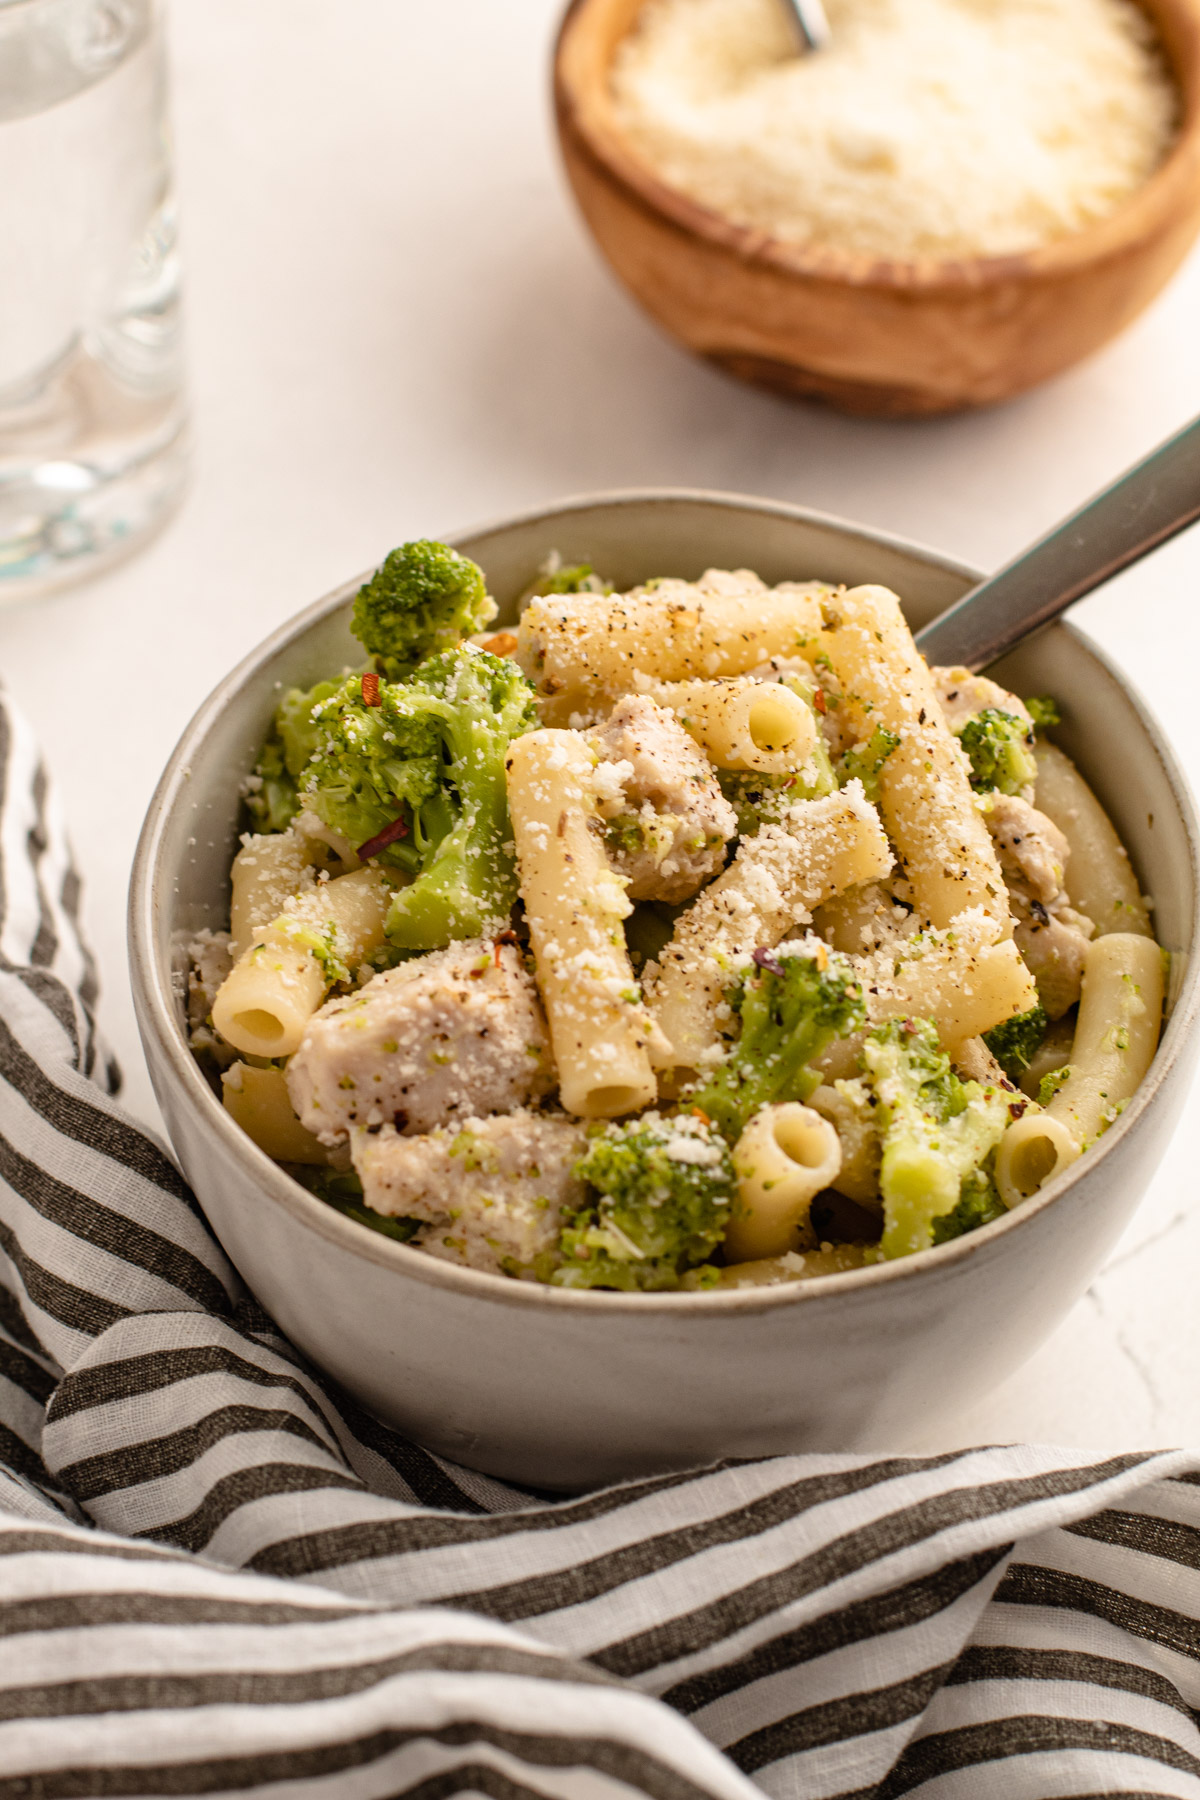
(883,337)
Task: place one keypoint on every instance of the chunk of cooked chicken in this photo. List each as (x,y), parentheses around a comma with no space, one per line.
(209,959)
(1051,936)
(491,1192)
(457,1033)
(963,695)
(1031,848)
(1054,945)
(669,822)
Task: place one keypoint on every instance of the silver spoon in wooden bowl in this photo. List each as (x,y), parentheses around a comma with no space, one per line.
(1139,511)
(809,22)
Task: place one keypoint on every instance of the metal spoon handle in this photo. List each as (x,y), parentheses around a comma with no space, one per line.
(808,17)
(1146,506)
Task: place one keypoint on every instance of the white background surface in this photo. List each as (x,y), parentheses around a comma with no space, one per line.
(399,328)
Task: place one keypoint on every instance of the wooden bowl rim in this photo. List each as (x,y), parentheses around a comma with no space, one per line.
(1173,188)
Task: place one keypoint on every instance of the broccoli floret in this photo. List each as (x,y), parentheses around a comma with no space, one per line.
(296,726)
(1050,1084)
(344,1192)
(759,800)
(553,577)
(791,1003)
(424,599)
(936,1130)
(411,773)
(581,578)
(271,798)
(865,760)
(979,1205)
(1043,709)
(374,756)
(663,1188)
(466,885)
(1000,747)
(1013,1044)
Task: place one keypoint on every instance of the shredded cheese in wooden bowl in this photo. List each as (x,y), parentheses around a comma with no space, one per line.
(938,129)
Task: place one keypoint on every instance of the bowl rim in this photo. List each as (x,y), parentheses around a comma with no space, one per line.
(1149,209)
(155,1000)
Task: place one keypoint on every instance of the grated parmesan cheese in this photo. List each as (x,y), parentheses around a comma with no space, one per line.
(928,128)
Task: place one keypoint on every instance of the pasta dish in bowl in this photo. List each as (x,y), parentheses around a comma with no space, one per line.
(779,906)
(673,943)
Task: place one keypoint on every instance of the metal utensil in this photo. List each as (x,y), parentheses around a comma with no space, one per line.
(1141,510)
(810,23)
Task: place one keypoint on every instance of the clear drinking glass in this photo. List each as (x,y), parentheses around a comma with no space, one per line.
(93,447)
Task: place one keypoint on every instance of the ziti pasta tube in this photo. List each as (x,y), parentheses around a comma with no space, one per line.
(582,651)
(925,794)
(1120,1015)
(754,725)
(259,1101)
(1099,878)
(576,905)
(785,1157)
(277,984)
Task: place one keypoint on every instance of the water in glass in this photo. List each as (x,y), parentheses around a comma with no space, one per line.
(92,417)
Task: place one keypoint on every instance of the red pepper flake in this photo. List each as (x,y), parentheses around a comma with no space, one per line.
(698,1112)
(765,960)
(390,834)
(819,701)
(498,943)
(370,693)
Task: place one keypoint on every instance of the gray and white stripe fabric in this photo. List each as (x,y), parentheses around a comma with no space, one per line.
(219,1578)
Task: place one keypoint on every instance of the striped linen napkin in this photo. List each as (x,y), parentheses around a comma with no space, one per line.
(219,1577)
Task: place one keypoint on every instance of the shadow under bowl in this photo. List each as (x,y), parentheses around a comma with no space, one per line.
(567,1390)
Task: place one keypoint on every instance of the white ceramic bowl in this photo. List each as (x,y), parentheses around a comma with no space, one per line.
(565,1390)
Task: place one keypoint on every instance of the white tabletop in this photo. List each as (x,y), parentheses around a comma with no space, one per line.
(399,328)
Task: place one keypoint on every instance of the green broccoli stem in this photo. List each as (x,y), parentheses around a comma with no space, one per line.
(937,1131)
(468,886)
(919,1184)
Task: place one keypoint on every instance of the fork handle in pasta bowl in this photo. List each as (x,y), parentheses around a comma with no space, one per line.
(1150,503)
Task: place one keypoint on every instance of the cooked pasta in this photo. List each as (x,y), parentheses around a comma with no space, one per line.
(1033,1150)
(966,979)
(1100,880)
(282,977)
(1116,1035)
(713,941)
(258,1100)
(757,725)
(773,884)
(846,1105)
(600,1032)
(581,650)
(925,798)
(784,1158)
